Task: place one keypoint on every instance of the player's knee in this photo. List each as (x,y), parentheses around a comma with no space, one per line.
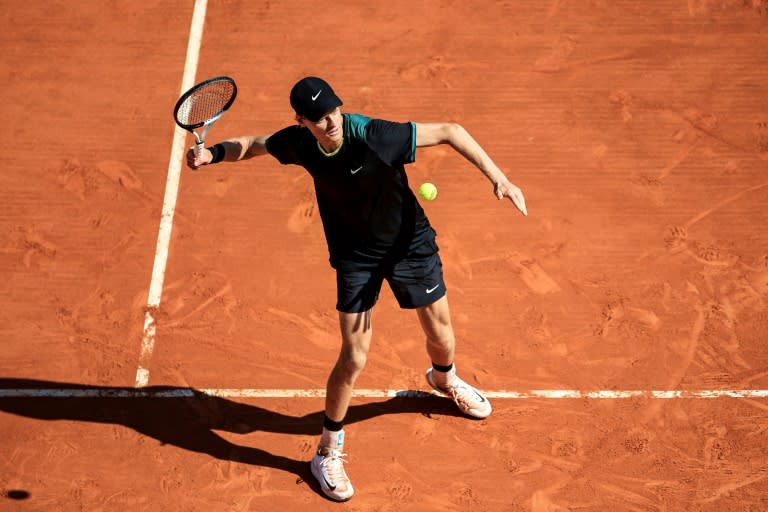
(442,340)
(353,361)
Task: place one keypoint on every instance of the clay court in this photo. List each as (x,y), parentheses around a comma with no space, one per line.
(167,333)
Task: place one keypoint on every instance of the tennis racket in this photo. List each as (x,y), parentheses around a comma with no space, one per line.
(203,105)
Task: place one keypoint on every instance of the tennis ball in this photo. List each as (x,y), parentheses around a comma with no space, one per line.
(428,191)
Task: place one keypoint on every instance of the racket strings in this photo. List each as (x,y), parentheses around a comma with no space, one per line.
(205,103)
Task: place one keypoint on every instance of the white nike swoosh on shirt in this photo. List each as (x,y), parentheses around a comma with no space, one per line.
(316,95)
(354,171)
(430,290)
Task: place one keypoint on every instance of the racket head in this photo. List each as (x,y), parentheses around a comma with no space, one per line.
(205,102)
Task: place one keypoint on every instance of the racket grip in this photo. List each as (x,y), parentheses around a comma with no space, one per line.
(199,147)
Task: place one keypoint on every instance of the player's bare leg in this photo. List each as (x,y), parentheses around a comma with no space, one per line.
(356,335)
(435,320)
(328,463)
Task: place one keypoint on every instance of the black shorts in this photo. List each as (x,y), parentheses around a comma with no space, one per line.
(415,282)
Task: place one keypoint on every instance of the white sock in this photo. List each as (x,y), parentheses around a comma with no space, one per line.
(444,379)
(331,439)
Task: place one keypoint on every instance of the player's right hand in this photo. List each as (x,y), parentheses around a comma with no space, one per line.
(193,162)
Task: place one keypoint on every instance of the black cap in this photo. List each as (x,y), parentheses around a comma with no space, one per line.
(312,98)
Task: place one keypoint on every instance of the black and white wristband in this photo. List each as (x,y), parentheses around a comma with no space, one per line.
(217,153)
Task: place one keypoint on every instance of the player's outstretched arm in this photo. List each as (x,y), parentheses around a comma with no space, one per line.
(431,134)
(230,150)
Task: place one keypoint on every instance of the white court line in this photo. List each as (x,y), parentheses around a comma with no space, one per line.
(161,392)
(169,201)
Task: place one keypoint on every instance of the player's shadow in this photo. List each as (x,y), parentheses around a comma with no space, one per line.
(190,422)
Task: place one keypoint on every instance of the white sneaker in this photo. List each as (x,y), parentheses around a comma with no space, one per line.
(469,400)
(328,468)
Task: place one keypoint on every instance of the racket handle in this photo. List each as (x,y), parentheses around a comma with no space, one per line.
(199,144)
(199,147)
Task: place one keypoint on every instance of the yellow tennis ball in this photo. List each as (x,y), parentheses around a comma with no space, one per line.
(428,191)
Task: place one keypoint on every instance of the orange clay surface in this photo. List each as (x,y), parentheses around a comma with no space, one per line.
(638,132)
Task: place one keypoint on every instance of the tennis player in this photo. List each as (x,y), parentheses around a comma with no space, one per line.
(376,230)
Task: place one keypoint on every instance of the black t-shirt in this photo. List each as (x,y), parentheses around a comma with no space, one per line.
(370,215)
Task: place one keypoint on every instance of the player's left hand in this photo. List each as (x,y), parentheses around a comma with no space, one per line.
(506,189)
